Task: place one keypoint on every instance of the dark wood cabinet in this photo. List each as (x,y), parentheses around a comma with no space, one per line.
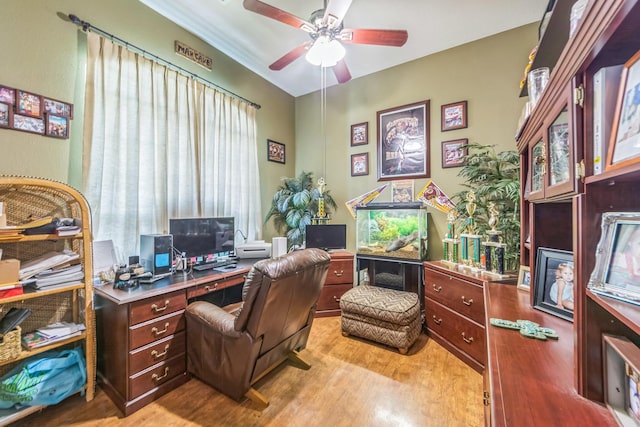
(339,280)
(455,313)
(564,213)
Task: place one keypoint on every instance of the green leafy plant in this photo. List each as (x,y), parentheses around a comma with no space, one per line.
(295,204)
(493,177)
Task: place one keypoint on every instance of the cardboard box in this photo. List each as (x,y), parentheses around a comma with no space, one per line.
(9,271)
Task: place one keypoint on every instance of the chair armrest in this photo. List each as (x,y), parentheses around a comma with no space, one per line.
(213,316)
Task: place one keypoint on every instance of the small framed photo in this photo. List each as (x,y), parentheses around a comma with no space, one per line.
(360,164)
(402,191)
(28,124)
(454,116)
(524,278)
(360,134)
(454,153)
(275,151)
(58,108)
(553,288)
(625,133)
(7,95)
(618,257)
(57,127)
(28,104)
(5,115)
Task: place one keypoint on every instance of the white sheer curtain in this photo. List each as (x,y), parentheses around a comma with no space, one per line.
(159,145)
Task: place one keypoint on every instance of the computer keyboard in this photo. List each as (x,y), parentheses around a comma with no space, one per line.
(212,265)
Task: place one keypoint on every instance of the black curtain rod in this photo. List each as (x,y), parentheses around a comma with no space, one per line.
(88,27)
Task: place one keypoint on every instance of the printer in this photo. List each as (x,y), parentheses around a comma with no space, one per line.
(254,249)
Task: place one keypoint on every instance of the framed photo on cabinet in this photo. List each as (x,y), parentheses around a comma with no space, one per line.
(403,142)
(624,147)
(617,270)
(360,134)
(553,288)
(524,278)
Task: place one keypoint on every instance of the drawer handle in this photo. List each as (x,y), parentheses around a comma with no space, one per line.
(208,288)
(156,309)
(157,377)
(157,332)
(437,288)
(336,299)
(437,320)
(157,355)
(467,340)
(338,274)
(465,302)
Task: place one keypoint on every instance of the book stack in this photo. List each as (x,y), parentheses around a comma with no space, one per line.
(51,333)
(57,277)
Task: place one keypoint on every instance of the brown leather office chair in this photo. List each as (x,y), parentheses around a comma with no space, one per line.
(231,348)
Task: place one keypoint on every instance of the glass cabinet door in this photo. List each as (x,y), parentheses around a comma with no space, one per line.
(537,159)
(559,158)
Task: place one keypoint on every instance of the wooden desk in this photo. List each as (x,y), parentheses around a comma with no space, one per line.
(140,334)
(531,382)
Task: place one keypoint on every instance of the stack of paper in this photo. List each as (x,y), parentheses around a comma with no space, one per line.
(62,277)
(45,262)
(51,333)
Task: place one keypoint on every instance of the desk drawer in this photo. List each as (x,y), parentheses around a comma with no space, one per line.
(156,329)
(216,285)
(156,352)
(151,308)
(330,296)
(340,271)
(467,336)
(459,295)
(156,376)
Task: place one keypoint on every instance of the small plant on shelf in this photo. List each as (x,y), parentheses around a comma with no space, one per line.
(493,177)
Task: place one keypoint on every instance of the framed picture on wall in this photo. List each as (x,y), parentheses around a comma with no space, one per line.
(7,95)
(58,108)
(28,104)
(57,127)
(360,164)
(28,124)
(454,153)
(453,116)
(360,134)
(275,151)
(403,142)
(5,115)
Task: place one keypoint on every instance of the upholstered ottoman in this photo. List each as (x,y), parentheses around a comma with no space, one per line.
(382,315)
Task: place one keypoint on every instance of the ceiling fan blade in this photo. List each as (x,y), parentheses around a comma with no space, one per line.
(336,10)
(290,56)
(342,72)
(377,37)
(272,12)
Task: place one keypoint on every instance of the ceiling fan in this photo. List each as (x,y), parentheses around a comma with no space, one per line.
(327,34)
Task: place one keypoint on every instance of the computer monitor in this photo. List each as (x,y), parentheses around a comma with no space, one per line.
(327,236)
(203,239)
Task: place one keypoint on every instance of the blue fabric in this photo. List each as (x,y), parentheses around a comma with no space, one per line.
(45,379)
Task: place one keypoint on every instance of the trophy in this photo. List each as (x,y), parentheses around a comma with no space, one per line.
(470,241)
(450,243)
(493,245)
(321,216)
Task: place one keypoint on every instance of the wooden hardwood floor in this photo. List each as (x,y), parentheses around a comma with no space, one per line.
(352,382)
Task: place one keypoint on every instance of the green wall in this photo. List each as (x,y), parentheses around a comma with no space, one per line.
(42,53)
(486,73)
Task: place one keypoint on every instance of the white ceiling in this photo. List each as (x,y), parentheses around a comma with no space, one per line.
(256,41)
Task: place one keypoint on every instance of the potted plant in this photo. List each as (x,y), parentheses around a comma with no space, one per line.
(494,178)
(295,204)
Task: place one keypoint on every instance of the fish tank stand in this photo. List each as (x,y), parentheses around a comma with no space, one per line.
(401,275)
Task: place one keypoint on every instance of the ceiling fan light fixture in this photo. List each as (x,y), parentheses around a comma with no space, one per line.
(325,52)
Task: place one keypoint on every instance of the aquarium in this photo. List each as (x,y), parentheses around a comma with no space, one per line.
(394,230)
